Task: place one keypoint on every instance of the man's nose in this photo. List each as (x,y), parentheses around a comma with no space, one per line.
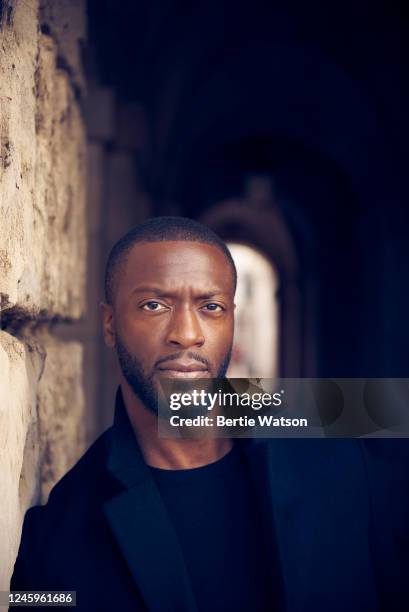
(184,329)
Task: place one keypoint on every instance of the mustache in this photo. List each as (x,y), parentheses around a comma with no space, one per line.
(190,354)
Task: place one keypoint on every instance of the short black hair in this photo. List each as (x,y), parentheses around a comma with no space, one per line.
(160,229)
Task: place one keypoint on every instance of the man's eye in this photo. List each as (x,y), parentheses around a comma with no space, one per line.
(153,306)
(213,307)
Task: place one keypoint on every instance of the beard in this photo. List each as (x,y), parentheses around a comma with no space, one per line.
(142,384)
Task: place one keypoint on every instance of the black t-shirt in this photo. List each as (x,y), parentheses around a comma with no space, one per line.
(215,514)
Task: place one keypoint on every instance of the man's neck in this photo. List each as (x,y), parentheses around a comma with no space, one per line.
(166,453)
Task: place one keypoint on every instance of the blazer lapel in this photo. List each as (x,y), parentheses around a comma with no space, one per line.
(315,500)
(142,527)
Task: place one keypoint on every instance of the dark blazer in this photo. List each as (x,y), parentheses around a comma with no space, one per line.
(337,513)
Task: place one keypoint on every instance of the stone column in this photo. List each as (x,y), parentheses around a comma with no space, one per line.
(42,256)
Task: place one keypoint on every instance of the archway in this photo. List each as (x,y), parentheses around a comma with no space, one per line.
(256,336)
(257,222)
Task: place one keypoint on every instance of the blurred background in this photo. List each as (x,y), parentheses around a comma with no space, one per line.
(285,128)
(282,126)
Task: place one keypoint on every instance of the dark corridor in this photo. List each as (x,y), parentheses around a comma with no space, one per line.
(313,96)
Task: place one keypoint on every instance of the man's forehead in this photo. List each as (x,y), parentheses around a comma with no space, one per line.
(168,261)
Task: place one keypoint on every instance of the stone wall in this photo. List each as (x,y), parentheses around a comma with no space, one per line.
(42,255)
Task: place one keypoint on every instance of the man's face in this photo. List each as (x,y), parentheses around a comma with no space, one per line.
(172,316)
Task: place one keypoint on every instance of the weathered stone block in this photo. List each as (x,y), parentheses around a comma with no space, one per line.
(42,429)
(42,176)
(20,368)
(60,188)
(18,281)
(65,20)
(61,408)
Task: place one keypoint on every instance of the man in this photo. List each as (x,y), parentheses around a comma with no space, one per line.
(147,523)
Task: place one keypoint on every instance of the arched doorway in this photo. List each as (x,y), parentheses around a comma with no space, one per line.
(256,221)
(256,336)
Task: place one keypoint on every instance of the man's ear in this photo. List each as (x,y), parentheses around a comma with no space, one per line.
(108,324)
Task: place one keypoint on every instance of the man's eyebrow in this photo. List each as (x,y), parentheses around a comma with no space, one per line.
(159,292)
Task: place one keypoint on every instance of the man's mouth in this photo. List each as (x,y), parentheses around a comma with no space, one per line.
(177,369)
